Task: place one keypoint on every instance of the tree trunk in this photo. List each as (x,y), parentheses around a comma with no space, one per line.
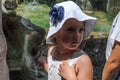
(99,5)
(4,73)
(50,2)
(108,5)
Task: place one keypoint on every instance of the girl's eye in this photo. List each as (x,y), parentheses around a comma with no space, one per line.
(81,30)
(70,30)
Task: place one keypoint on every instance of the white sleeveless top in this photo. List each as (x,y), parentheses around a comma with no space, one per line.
(53,65)
(113,35)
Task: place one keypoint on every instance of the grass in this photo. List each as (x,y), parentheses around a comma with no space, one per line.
(38,14)
(103,23)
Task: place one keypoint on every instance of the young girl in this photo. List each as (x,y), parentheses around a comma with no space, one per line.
(68,27)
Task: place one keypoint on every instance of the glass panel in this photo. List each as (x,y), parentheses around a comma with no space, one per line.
(26,22)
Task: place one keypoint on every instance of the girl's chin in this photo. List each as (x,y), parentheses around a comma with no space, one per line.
(73,48)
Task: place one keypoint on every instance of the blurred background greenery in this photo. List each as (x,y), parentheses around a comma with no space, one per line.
(38,11)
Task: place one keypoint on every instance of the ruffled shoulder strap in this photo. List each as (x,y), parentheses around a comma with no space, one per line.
(78,54)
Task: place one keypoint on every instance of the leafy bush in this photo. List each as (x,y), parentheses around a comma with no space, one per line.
(110,16)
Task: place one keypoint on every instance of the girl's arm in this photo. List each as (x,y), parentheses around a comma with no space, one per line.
(84,68)
(42,60)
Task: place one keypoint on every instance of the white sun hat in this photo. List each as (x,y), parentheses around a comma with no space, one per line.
(71,10)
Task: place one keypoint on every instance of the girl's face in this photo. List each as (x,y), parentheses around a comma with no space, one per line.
(70,35)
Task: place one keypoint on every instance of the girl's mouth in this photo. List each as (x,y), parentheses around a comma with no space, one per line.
(75,42)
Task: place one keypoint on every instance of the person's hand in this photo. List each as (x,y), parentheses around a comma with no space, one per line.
(42,61)
(67,72)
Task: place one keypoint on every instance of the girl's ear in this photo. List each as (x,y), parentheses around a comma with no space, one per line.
(54,35)
(53,39)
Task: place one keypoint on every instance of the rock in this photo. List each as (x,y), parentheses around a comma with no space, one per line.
(95,48)
(23,37)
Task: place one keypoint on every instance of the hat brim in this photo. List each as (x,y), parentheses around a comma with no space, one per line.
(72,11)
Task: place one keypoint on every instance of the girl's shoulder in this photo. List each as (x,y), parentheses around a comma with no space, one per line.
(84,58)
(78,55)
(80,58)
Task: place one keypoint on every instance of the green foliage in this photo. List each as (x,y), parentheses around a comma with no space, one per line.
(38,14)
(57,1)
(102,28)
(110,16)
(103,23)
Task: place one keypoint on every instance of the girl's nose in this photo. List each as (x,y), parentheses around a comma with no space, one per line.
(78,36)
